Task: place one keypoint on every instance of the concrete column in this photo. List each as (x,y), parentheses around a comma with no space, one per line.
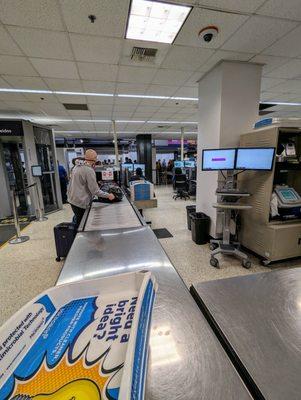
(182,144)
(229,97)
(115,144)
(144,153)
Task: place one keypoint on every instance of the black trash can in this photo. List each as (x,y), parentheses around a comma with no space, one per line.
(200,223)
(189,210)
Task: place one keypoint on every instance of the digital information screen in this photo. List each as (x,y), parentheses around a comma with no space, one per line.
(255,158)
(218,159)
(179,164)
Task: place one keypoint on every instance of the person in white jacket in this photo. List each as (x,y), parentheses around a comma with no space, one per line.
(83,186)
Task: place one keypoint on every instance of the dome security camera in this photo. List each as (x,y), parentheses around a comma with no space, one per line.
(208,34)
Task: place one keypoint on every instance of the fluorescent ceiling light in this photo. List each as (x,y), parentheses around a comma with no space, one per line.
(135,96)
(126,132)
(155,21)
(53,120)
(281,103)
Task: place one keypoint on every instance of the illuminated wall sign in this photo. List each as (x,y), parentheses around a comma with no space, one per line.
(11,128)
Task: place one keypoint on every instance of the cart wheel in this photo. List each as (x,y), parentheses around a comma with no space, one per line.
(265,262)
(246,264)
(58,259)
(214,262)
(213,246)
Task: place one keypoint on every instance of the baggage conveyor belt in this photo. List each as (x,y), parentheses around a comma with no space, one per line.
(186,360)
(258,320)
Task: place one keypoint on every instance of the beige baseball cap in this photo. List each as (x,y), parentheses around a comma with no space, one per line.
(90,155)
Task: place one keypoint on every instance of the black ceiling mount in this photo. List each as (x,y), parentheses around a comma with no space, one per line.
(92,18)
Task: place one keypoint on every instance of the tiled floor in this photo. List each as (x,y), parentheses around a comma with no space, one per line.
(192,260)
(29,268)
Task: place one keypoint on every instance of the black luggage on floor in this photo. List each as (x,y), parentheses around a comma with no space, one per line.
(64,235)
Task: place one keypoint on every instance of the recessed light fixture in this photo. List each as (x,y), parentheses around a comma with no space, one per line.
(280,103)
(155,21)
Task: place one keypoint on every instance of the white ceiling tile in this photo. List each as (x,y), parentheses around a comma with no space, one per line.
(100,100)
(289,86)
(131,88)
(66,85)
(33,13)
(267,83)
(12,97)
(233,5)
(270,62)
(54,108)
(257,34)
(276,96)
(187,91)
(111,16)
(25,82)
(3,83)
(72,99)
(94,71)
(95,108)
(11,65)
(125,59)
(79,113)
(289,70)
(199,18)
(146,109)
(194,78)
(96,49)
(22,106)
(41,98)
(99,87)
(171,77)
(186,58)
(42,43)
(55,68)
(288,46)
(220,55)
(122,101)
(136,74)
(161,90)
(7,45)
(281,8)
(149,102)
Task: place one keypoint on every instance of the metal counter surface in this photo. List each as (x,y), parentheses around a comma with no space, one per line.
(111,216)
(186,361)
(260,316)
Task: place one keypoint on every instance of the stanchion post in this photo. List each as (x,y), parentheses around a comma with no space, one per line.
(18,239)
(41,216)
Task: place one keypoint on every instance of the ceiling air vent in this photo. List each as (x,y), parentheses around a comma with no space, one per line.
(143,54)
(163,126)
(75,106)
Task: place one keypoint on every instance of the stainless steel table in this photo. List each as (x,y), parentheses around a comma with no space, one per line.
(260,318)
(186,361)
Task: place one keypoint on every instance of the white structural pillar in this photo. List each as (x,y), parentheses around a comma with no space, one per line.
(229,97)
(115,144)
(182,144)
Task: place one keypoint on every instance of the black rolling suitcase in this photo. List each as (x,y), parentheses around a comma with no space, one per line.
(64,235)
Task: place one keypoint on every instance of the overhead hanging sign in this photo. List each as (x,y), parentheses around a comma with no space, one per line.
(11,128)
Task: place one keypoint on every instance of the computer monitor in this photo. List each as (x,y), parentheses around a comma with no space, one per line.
(218,159)
(179,164)
(256,158)
(128,166)
(142,166)
(189,164)
(36,170)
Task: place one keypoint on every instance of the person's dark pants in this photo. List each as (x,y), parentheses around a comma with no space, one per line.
(78,213)
(63,183)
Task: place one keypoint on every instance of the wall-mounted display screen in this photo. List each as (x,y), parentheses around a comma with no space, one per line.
(256,158)
(218,159)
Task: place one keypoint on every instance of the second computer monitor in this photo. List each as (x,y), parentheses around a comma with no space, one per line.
(218,159)
(255,158)
(179,164)
(142,166)
(189,164)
